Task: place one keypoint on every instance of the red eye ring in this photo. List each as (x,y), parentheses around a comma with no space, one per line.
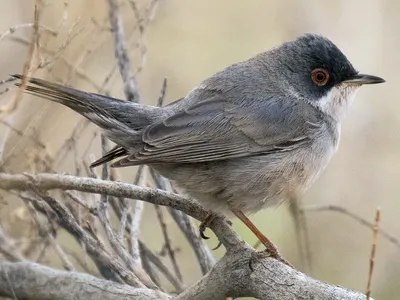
(320,76)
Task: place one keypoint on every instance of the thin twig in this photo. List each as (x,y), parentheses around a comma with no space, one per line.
(118,211)
(167,241)
(149,268)
(12,106)
(68,221)
(14,28)
(373,251)
(161,98)
(47,181)
(147,253)
(68,143)
(64,258)
(302,234)
(8,248)
(136,219)
(130,85)
(203,253)
(133,263)
(81,262)
(21,133)
(163,269)
(360,220)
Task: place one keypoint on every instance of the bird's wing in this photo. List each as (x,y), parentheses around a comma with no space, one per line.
(217,129)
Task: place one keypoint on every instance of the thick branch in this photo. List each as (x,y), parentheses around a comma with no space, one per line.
(246,273)
(26,280)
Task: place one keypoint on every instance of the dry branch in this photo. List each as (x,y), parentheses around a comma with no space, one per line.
(121,54)
(241,272)
(33,281)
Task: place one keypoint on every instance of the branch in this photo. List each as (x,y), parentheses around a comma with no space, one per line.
(27,280)
(121,54)
(47,181)
(246,273)
(242,272)
(202,252)
(335,208)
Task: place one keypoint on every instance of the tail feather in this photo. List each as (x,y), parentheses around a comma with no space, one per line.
(122,121)
(114,153)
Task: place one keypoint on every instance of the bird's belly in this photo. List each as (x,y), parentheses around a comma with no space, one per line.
(250,183)
(276,182)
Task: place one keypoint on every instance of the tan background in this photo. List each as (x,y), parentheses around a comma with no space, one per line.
(189,40)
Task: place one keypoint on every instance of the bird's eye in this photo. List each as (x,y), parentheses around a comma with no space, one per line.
(320,76)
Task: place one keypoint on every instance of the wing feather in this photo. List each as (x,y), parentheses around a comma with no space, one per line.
(216,129)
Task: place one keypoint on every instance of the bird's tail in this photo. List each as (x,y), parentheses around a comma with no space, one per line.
(122,121)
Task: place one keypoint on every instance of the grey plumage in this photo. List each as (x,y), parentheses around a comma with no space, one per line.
(255,134)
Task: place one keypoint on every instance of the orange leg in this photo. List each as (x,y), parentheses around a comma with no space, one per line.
(272,249)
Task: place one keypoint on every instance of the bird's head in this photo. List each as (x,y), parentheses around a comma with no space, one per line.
(317,71)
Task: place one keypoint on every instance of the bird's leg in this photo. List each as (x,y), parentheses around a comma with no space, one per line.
(272,249)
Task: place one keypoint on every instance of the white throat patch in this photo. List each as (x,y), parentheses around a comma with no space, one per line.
(337,101)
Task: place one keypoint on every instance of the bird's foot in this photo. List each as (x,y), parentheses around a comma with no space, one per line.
(274,253)
(260,254)
(206,223)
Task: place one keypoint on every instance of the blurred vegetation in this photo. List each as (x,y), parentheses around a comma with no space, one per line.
(190,40)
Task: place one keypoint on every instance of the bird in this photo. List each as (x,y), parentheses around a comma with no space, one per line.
(254,135)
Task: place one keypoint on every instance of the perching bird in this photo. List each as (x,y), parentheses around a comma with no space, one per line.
(255,134)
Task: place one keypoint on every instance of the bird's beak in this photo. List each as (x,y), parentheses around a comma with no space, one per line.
(364,79)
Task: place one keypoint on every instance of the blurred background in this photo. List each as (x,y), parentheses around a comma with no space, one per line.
(187,41)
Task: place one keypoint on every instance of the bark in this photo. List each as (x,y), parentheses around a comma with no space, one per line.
(242,272)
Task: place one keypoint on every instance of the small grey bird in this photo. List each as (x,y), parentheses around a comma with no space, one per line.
(255,134)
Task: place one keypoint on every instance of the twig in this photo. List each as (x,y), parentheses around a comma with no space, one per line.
(92,210)
(81,262)
(8,248)
(163,269)
(149,268)
(49,236)
(48,181)
(5,137)
(67,145)
(57,247)
(373,250)
(27,66)
(130,85)
(21,133)
(360,220)
(161,98)
(203,253)
(14,28)
(68,221)
(6,90)
(133,263)
(167,242)
(302,234)
(103,263)
(147,253)
(79,72)
(136,219)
